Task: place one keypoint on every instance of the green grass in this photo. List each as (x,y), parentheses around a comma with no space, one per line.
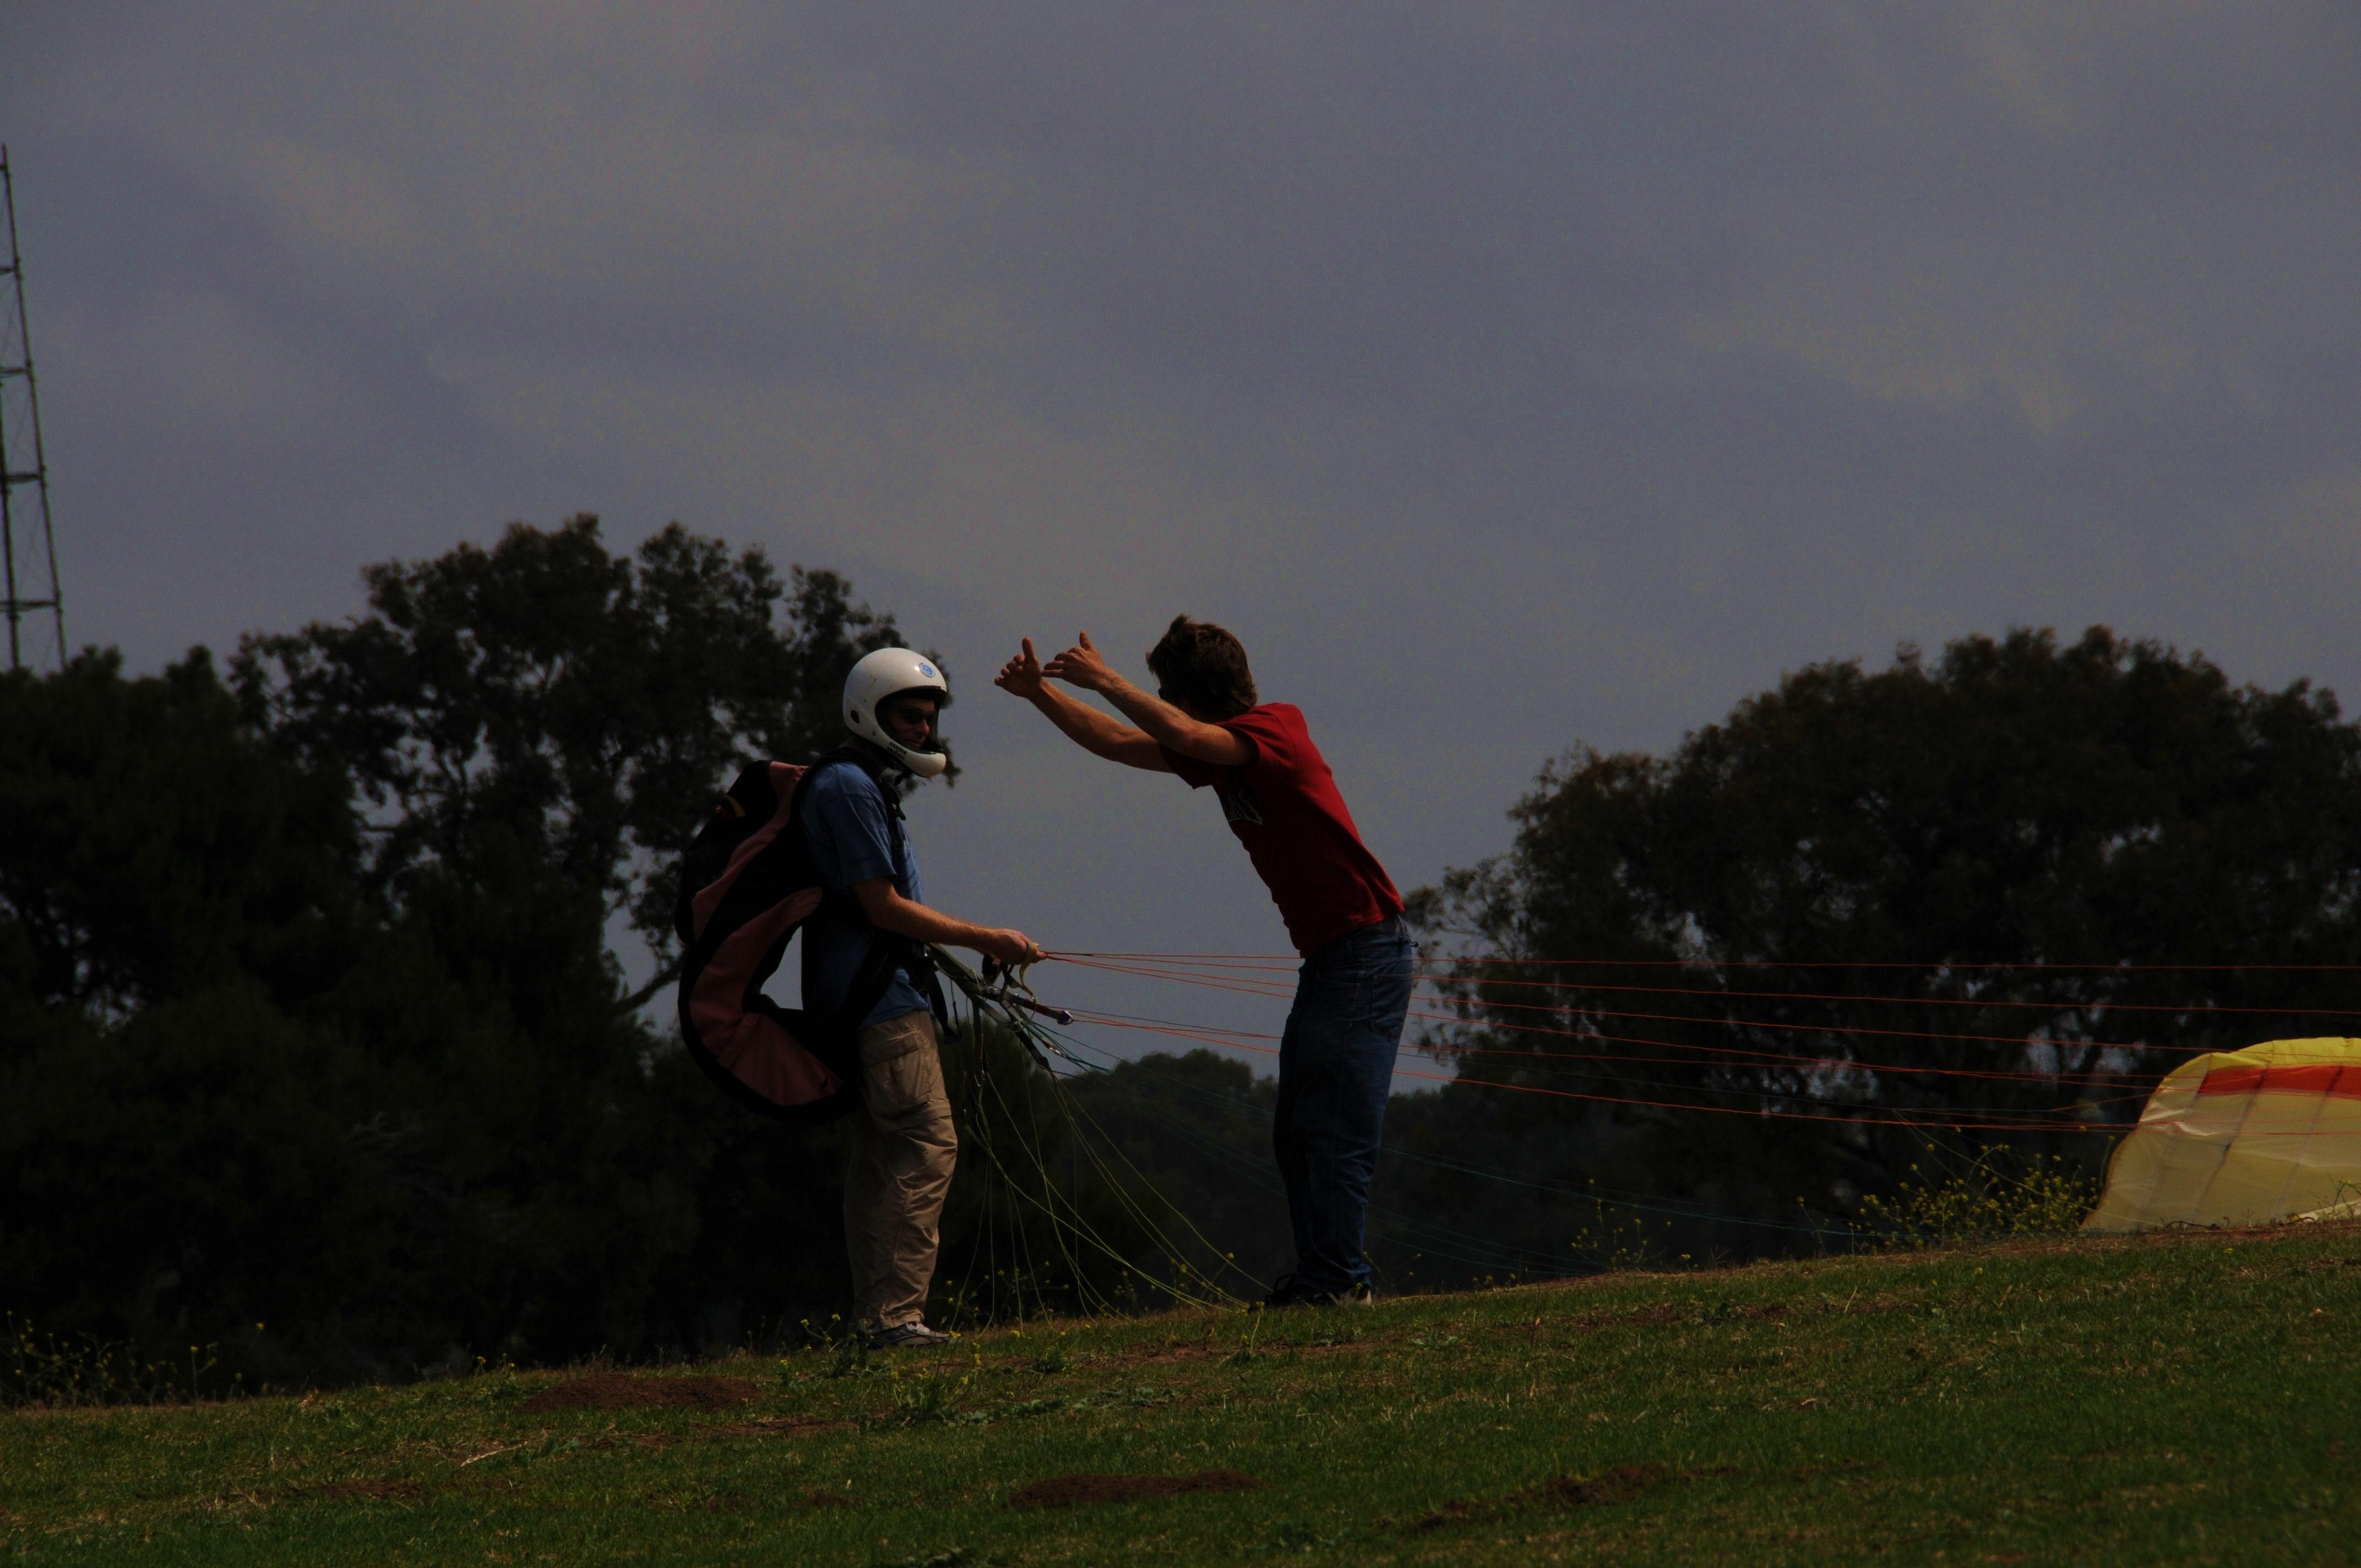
(2183,1400)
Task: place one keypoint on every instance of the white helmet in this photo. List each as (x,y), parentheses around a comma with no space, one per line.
(890,671)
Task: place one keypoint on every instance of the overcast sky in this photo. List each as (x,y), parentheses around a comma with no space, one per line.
(1506,376)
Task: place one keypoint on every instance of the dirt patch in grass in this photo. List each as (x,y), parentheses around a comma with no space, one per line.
(1170,1355)
(761,1426)
(1269,1345)
(1712,1314)
(694,1502)
(395,1490)
(622,1391)
(777,1426)
(1620,1485)
(1559,1494)
(1073,1491)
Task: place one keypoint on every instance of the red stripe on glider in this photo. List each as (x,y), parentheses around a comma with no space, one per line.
(2342,1079)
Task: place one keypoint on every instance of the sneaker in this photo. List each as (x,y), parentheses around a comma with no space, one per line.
(1288,1293)
(912,1335)
(1282,1294)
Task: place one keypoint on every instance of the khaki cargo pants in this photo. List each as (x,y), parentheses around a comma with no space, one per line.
(898,1153)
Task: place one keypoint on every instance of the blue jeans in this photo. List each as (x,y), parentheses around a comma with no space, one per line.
(1336,1073)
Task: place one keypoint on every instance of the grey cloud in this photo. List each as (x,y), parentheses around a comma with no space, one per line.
(1615,357)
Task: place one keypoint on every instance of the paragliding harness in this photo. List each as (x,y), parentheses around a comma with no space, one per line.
(748,884)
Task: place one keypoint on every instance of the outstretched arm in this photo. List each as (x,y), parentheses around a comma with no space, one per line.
(1096,732)
(889,911)
(1164,724)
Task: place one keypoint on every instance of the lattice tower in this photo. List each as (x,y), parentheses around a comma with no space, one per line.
(24,468)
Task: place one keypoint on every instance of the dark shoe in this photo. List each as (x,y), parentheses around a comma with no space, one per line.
(912,1335)
(1288,1293)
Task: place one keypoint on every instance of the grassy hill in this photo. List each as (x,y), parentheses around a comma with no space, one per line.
(2171,1398)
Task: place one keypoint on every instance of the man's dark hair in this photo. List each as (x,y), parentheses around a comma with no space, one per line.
(1201,666)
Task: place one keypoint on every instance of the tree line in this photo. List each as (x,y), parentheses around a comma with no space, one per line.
(315,1046)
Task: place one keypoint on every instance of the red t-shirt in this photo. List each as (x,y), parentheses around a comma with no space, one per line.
(1284,808)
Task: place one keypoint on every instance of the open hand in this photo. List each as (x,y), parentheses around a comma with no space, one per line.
(1021,676)
(1083,666)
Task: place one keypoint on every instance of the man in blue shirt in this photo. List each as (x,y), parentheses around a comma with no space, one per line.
(900,1148)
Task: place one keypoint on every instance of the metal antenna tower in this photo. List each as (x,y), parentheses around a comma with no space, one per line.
(21,460)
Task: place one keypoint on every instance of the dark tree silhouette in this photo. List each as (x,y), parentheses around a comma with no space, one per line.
(1945,834)
(568,701)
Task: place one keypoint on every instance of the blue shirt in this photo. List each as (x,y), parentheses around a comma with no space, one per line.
(845,820)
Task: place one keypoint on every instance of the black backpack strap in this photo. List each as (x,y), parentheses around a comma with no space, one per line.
(897,844)
(888,952)
(870,983)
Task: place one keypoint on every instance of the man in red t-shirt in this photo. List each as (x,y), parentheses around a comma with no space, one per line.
(1336,1057)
